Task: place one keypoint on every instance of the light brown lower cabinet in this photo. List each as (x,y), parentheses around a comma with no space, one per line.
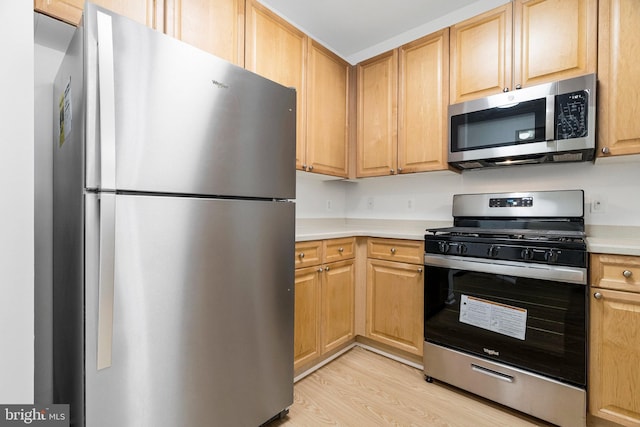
(306,341)
(337,304)
(395,294)
(324,300)
(614,359)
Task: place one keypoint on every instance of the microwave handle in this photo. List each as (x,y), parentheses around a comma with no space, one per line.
(550,120)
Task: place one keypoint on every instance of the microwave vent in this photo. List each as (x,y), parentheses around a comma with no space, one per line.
(567,157)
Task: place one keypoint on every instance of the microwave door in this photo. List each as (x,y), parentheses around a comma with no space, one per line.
(504,125)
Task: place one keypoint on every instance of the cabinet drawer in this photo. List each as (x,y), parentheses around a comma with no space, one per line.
(339,249)
(308,253)
(409,251)
(615,272)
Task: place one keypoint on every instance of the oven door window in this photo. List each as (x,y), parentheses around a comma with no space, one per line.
(532,324)
(521,123)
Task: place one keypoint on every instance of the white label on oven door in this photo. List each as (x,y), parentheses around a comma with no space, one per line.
(496,317)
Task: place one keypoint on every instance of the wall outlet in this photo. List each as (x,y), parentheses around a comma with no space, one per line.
(370,203)
(598,205)
(411,203)
(329,204)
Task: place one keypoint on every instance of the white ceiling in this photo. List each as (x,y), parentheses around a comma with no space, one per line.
(360,29)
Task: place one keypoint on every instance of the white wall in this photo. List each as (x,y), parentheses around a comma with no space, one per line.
(47,61)
(17,212)
(615,182)
(317,198)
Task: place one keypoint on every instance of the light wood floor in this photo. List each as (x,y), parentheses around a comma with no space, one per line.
(362,388)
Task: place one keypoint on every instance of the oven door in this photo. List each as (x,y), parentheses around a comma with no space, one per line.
(513,313)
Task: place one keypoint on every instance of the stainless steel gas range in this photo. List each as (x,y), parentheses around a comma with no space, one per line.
(506,302)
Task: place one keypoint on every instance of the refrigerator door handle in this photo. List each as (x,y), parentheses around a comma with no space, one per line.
(106,89)
(106,279)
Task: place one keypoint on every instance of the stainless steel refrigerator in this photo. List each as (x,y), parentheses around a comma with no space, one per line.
(174,180)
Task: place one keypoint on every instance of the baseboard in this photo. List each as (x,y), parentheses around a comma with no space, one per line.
(391,356)
(349,347)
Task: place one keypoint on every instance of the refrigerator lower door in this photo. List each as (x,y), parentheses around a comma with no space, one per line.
(201,312)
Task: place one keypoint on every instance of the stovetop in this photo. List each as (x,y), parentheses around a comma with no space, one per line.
(510,233)
(562,251)
(548,229)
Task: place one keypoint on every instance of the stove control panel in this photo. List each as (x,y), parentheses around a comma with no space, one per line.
(511,202)
(530,252)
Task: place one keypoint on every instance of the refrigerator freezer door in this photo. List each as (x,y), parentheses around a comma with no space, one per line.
(185,121)
(202,313)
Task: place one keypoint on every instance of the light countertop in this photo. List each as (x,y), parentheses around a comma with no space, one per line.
(620,240)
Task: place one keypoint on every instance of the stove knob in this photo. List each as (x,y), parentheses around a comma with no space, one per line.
(493,251)
(527,254)
(443,247)
(462,249)
(551,256)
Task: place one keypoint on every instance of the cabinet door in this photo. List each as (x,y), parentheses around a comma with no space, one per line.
(70,11)
(306,331)
(276,50)
(481,55)
(377,115)
(554,40)
(327,114)
(395,304)
(618,77)
(423,101)
(216,26)
(337,302)
(615,357)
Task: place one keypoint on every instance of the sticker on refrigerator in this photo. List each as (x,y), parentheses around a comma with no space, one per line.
(65,110)
(493,316)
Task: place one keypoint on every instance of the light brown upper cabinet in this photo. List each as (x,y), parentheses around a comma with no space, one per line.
(216,26)
(278,51)
(402,107)
(618,77)
(377,114)
(70,11)
(522,44)
(326,147)
(423,102)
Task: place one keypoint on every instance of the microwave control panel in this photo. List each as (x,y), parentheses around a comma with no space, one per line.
(571,115)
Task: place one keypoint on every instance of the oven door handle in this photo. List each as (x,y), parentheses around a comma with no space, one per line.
(509,268)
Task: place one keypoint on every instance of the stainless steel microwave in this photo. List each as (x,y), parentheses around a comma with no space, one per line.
(551,122)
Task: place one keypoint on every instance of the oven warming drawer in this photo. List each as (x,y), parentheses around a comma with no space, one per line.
(533,394)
